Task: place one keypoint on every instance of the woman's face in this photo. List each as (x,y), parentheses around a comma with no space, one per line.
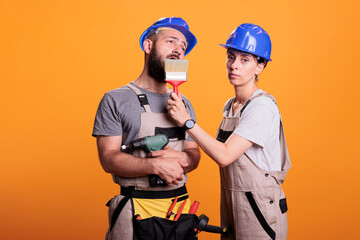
(242,67)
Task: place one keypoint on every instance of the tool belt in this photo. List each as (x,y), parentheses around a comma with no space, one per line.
(130,192)
(156,226)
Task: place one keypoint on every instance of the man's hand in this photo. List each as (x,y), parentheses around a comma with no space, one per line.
(189,157)
(169,169)
(169,152)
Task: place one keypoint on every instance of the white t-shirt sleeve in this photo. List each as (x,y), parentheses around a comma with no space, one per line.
(256,122)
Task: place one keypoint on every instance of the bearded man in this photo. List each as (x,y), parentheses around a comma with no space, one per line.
(137,110)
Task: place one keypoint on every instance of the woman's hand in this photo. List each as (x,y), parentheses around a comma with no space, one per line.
(176,109)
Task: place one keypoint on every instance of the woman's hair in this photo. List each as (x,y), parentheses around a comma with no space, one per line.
(260,60)
(257,58)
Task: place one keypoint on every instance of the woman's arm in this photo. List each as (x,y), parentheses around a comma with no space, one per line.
(222,153)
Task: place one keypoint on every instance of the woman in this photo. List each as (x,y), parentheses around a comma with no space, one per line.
(250,147)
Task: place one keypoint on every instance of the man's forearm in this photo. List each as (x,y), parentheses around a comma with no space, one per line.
(170,168)
(192,158)
(125,165)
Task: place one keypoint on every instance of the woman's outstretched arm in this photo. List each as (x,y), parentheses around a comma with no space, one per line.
(222,153)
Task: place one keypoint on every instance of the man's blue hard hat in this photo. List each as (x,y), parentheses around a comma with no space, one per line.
(173,22)
(250,38)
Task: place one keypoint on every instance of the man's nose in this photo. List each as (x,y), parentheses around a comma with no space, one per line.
(178,50)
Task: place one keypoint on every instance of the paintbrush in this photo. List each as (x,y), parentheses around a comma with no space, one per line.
(176,72)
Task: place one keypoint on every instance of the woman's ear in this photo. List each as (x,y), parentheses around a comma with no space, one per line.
(259,68)
(147,44)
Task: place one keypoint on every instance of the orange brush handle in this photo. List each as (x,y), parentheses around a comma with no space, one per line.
(175,84)
(176,91)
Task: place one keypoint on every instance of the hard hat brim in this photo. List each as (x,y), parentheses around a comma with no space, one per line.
(243,50)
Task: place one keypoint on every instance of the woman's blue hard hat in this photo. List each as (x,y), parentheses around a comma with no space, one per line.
(173,22)
(250,38)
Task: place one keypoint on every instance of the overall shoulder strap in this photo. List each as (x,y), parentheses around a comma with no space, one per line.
(248,101)
(227,107)
(142,97)
(285,158)
(279,176)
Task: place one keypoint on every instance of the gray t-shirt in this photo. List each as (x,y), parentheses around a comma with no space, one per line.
(260,124)
(119,112)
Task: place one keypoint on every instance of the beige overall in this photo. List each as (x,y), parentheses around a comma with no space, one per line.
(123,228)
(252,201)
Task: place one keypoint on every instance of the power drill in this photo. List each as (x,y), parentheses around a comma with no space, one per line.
(148,144)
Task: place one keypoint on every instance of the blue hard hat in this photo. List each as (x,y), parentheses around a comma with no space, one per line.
(175,23)
(250,38)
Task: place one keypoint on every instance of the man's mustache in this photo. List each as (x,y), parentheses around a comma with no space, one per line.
(172,56)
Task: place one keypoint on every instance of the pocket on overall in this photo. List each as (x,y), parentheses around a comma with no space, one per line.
(156,228)
(283,205)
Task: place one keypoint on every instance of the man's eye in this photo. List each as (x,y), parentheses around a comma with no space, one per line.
(245,60)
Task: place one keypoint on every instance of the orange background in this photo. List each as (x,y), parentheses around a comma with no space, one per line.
(58,58)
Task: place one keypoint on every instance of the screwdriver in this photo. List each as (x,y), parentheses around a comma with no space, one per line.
(180,210)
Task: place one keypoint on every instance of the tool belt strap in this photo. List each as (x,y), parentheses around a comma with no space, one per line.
(130,192)
(117,211)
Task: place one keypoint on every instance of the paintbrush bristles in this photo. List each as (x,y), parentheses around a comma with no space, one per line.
(176,69)
(172,65)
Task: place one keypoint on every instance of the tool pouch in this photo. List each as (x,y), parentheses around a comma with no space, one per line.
(156,228)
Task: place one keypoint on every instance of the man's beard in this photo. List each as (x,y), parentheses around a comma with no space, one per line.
(156,66)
